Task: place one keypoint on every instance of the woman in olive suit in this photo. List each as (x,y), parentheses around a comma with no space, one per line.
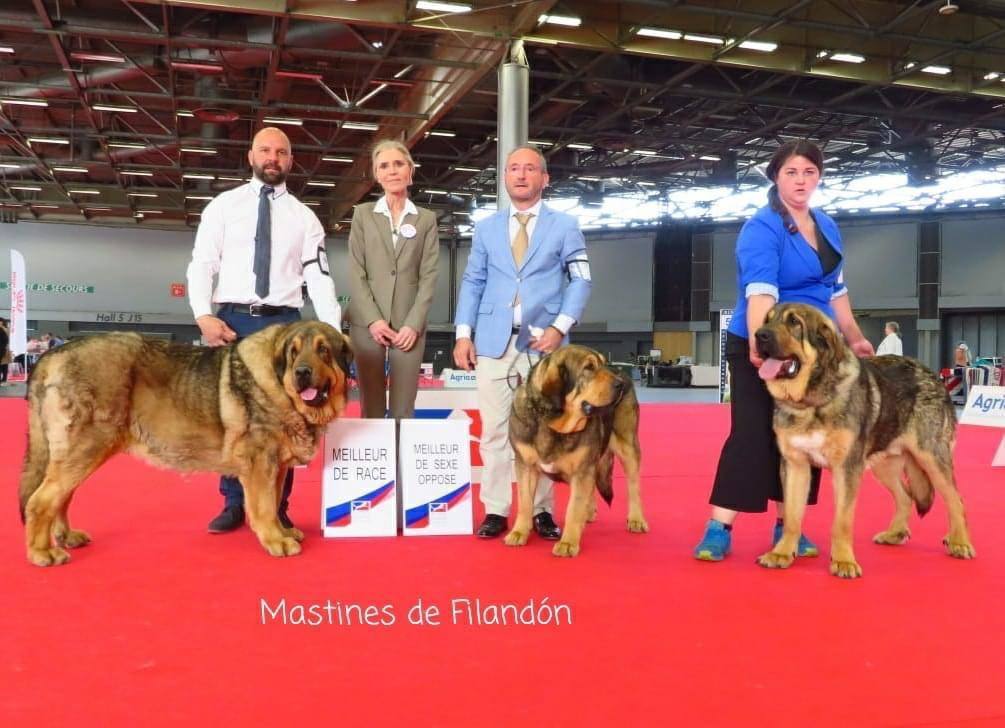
(393,256)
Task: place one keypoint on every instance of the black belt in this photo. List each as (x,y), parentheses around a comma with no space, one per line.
(257,309)
(515,330)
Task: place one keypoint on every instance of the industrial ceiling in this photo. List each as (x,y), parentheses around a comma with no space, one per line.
(138,111)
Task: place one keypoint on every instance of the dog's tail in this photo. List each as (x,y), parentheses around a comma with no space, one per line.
(36,458)
(919,487)
(605,477)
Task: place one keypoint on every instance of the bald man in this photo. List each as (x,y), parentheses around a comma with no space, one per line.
(261,244)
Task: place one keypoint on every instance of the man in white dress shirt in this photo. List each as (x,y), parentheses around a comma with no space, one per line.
(261,243)
(892,343)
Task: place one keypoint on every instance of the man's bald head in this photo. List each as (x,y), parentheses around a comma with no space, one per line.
(270,156)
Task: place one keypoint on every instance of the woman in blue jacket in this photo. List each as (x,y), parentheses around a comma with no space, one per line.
(787,252)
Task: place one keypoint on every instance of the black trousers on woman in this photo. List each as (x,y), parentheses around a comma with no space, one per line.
(749,473)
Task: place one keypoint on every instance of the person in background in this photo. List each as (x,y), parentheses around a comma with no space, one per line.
(4,350)
(786,252)
(262,244)
(394,251)
(892,343)
(961,356)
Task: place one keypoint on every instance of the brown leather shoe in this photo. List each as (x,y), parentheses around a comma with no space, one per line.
(546,528)
(492,526)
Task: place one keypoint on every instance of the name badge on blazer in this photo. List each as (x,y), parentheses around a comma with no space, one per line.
(407,231)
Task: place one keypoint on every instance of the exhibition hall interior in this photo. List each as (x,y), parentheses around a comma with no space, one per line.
(654,129)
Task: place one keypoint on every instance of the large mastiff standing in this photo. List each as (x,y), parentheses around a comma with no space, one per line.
(252,410)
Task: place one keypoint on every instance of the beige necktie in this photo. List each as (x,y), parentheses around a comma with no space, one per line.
(521,241)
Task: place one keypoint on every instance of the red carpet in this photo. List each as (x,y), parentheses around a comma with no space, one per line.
(158,623)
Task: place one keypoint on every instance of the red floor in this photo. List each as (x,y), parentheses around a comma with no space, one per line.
(158,623)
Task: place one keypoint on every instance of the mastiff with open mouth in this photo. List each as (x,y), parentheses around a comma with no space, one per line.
(251,409)
(834,410)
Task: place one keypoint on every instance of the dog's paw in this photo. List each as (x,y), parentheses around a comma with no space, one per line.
(892,538)
(773,560)
(960,550)
(846,569)
(565,549)
(516,538)
(282,546)
(638,524)
(74,539)
(48,557)
(294,533)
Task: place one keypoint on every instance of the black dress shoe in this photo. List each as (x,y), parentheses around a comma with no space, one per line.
(284,519)
(546,527)
(230,517)
(492,526)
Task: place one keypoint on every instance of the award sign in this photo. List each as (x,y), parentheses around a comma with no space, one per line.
(436,477)
(358,486)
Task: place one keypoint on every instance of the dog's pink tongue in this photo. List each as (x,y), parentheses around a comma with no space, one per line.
(770,368)
(308,394)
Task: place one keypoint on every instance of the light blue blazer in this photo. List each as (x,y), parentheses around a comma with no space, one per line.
(554,278)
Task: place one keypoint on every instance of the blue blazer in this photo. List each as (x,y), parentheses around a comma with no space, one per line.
(491,281)
(771,260)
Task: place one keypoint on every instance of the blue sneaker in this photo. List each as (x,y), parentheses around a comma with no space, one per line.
(714,544)
(806,547)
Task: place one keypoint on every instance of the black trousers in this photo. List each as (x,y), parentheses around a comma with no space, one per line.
(749,472)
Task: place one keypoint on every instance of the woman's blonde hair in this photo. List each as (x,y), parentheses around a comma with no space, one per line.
(383,146)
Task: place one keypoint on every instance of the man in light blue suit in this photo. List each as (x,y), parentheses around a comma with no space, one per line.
(526,284)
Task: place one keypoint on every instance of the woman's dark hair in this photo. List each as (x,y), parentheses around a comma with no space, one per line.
(797,148)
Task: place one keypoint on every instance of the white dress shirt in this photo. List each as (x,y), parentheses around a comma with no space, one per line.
(225,248)
(562,322)
(381,206)
(891,345)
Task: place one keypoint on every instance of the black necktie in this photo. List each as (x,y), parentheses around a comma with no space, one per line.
(263,243)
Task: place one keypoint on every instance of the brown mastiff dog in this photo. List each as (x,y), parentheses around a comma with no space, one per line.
(837,411)
(251,410)
(569,419)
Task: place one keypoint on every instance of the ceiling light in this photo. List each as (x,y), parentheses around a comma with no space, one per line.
(540,143)
(644,152)
(647,184)
(26,188)
(235,179)
(11,166)
(150,212)
(442,7)
(574,145)
(567,20)
(312,203)
(99,57)
(83,192)
(659,33)
(115,109)
(136,173)
(590,179)
(35,206)
(97,209)
(759,45)
(823,54)
(436,192)
(710,39)
(287,122)
(204,67)
(937,70)
(908,66)
(313,183)
(949,8)
(47,140)
(378,44)
(198,150)
(192,175)
(710,158)
(24,102)
(360,125)
(140,194)
(343,160)
(127,145)
(198,197)
(442,133)
(79,170)
(6,49)
(991,75)
(184,112)
(848,58)
(466,169)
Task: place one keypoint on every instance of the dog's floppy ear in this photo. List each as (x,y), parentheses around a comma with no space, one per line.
(551,379)
(344,354)
(826,340)
(280,349)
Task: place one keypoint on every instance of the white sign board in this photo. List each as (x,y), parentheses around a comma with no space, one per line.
(436,477)
(358,487)
(459,379)
(986,406)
